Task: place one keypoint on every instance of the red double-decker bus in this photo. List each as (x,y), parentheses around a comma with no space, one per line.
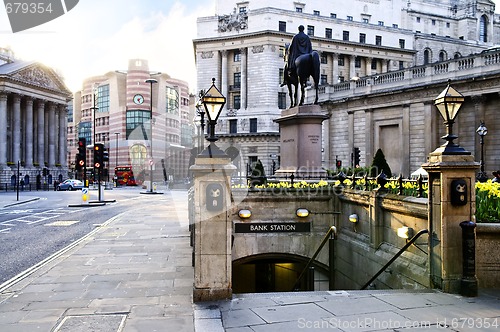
(125,176)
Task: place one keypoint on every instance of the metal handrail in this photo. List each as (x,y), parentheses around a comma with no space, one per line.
(399,253)
(331,232)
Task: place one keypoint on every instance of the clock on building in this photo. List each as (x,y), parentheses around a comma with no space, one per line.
(138,99)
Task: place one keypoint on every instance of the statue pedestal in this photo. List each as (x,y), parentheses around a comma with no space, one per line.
(301,141)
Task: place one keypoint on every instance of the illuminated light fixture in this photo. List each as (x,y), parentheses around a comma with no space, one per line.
(448,104)
(353,218)
(245,214)
(302,213)
(405,232)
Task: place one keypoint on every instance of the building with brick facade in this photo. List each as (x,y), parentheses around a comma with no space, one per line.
(114,109)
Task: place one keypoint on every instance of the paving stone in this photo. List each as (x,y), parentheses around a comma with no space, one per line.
(239,318)
(341,307)
(292,313)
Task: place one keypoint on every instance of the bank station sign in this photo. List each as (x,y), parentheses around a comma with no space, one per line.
(272,227)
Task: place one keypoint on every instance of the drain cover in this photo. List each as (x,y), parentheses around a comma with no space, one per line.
(86,323)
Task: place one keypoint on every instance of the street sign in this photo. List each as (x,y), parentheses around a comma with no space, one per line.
(85,195)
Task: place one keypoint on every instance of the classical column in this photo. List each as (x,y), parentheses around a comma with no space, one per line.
(41,133)
(16,129)
(56,134)
(369,135)
(335,66)
(243,52)
(350,126)
(384,65)
(29,133)
(368,66)
(62,136)
(352,68)
(430,129)
(3,129)
(52,135)
(405,162)
(224,78)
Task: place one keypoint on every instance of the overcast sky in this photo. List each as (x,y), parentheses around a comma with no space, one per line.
(100,36)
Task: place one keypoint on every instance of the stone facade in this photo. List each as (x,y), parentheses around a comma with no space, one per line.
(395,112)
(242,47)
(33,112)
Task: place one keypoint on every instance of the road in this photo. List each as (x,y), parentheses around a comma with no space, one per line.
(32,231)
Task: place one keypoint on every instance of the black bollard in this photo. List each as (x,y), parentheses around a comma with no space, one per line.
(468,284)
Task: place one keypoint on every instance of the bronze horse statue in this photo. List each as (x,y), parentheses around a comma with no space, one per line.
(305,65)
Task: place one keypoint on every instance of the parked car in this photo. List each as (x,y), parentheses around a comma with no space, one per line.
(70,184)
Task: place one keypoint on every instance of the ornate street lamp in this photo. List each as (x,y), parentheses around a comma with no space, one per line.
(448,103)
(213,101)
(482,131)
(151,81)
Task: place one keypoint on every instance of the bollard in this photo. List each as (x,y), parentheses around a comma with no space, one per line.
(468,284)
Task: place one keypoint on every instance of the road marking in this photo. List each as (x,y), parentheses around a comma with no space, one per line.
(5,230)
(63,223)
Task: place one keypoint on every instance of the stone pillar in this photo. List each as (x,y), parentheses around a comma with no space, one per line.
(452,200)
(335,68)
(369,135)
(300,135)
(16,129)
(224,79)
(213,229)
(29,133)
(3,129)
(244,86)
(62,136)
(52,126)
(41,133)
(352,68)
(368,66)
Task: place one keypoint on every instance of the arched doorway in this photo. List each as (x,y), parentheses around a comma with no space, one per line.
(275,272)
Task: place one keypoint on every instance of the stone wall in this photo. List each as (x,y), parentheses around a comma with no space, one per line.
(361,248)
(488,255)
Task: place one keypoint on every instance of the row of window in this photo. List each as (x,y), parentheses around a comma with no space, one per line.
(233,126)
(329,35)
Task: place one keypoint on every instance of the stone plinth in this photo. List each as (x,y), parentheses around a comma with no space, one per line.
(301,141)
(212,229)
(445,216)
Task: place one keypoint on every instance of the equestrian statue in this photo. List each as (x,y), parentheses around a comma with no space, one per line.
(300,63)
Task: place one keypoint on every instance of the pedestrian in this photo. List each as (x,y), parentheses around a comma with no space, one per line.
(496,175)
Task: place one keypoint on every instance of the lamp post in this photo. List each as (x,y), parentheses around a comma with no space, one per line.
(213,101)
(482,131)
(116,149)
(199,121)
(448,103)
(151,81)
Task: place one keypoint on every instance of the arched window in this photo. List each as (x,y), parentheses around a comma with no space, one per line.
(483,29)
(427,55)
(442,56)
(457,55)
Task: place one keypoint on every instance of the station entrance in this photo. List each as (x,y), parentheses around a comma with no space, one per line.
(275,273)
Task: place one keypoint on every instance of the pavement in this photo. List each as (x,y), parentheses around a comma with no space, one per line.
(134,273)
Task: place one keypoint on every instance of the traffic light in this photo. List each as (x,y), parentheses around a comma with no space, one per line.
(98,155)
(105,155)
(357,157)
(81,156)
(339,164)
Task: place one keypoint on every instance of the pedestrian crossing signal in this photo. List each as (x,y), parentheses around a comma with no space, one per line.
(98,155)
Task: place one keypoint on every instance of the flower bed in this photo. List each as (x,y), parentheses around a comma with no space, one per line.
(488,201)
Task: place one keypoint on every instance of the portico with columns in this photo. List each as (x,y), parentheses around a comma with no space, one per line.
(33,117)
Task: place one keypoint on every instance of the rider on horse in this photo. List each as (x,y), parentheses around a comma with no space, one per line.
(301,44)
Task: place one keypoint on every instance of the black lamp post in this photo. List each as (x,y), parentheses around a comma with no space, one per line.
(448,103)
(482,131)
(151,81)
(213,101)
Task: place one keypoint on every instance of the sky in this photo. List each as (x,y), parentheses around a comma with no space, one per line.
(98,36)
